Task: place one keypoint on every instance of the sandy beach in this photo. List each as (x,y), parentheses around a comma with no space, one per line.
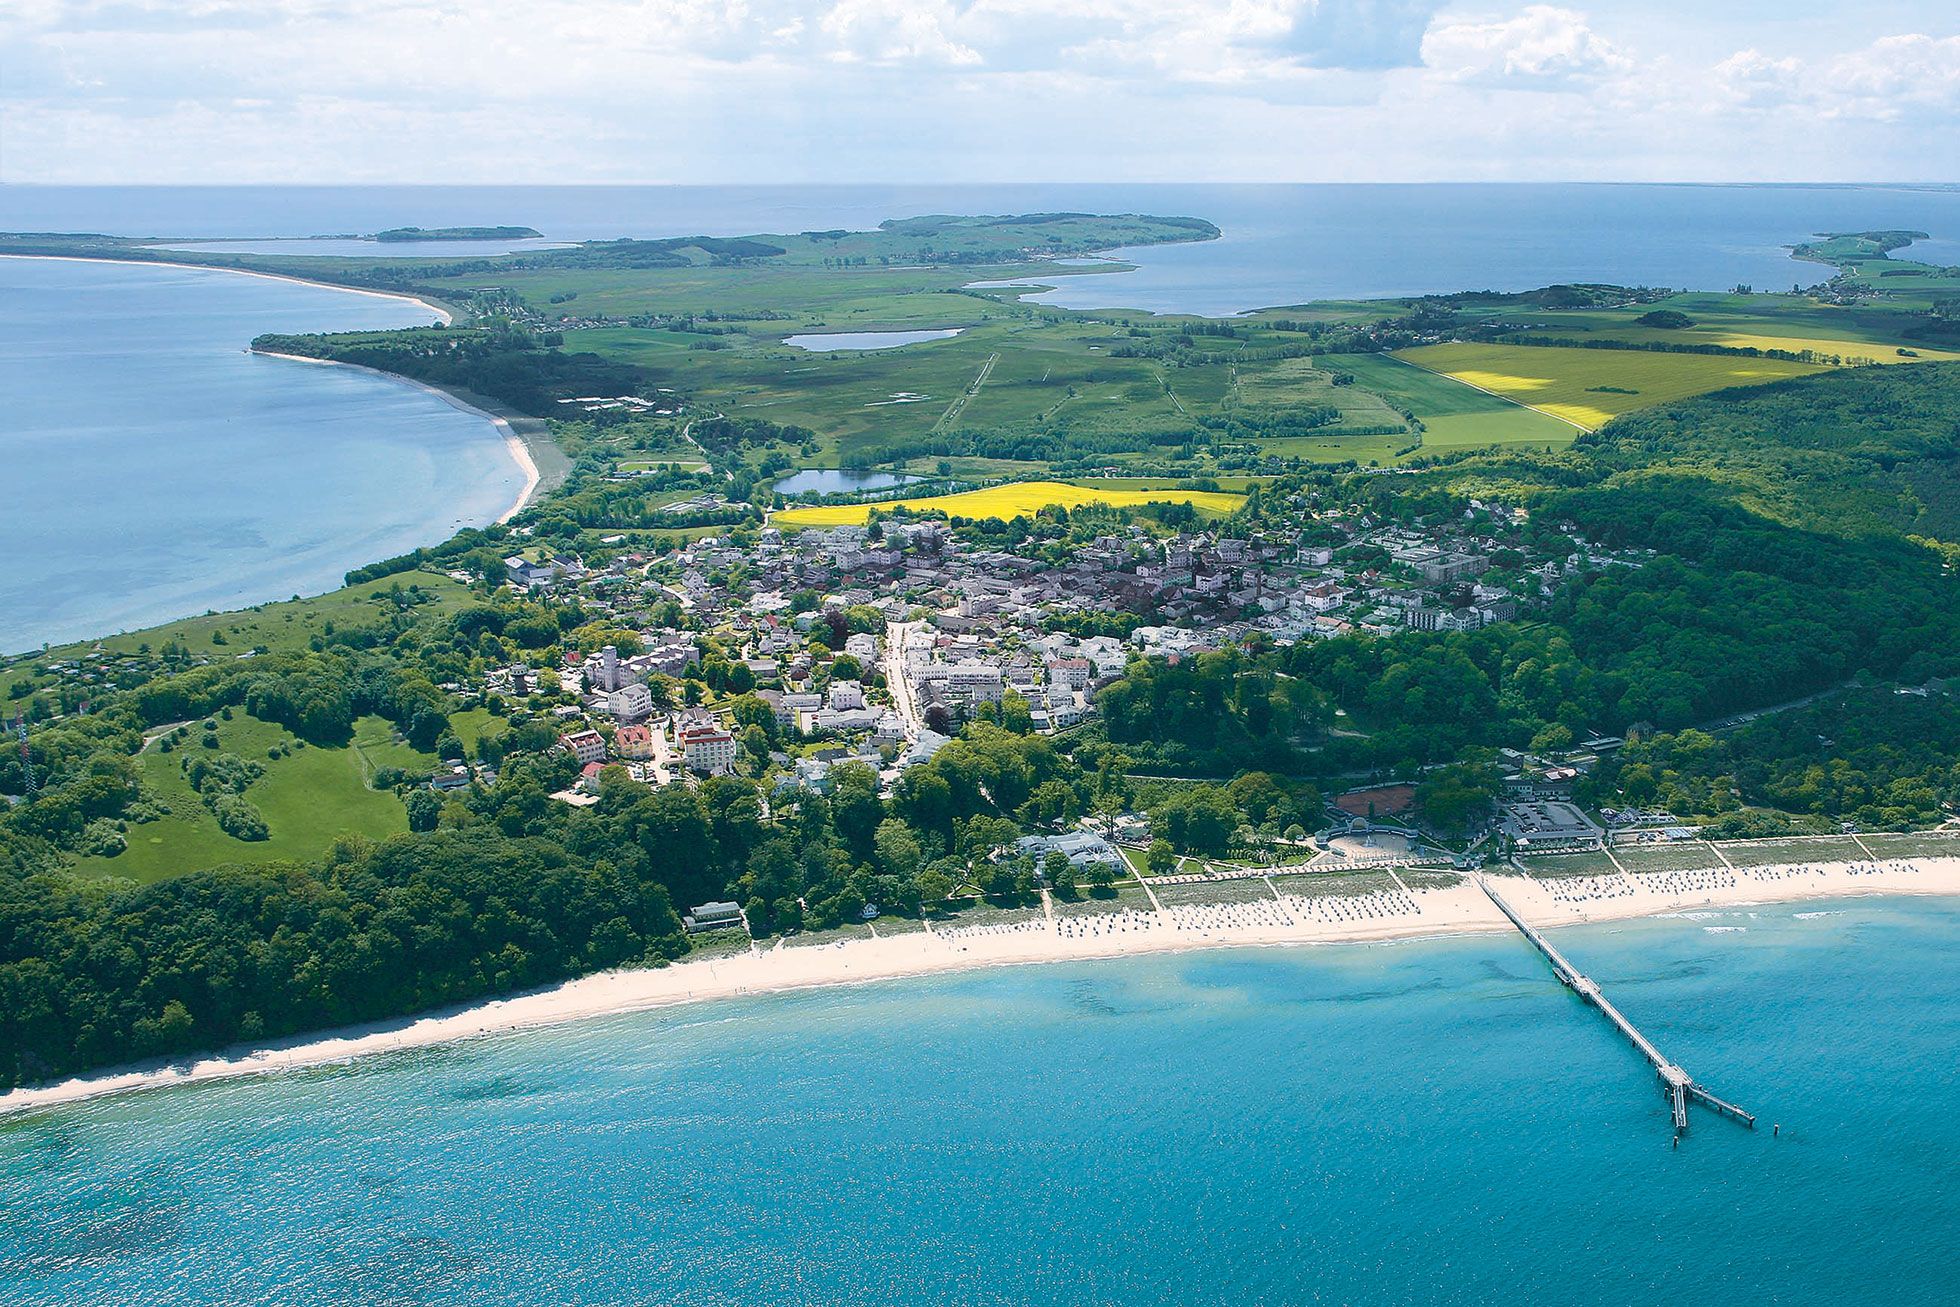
(1284,920)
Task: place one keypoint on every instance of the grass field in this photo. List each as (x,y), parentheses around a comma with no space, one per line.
(1925,844)
(308,797)
(1769,853)
(1590,387)
(1249,889)
(1454,416)
(1556,865)
(1009,501)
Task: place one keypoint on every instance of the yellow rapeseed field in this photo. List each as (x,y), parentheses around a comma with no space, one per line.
(1009,501)
(1589,387)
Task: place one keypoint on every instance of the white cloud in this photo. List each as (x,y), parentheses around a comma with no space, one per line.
(895,31)
(1540,47)
(1892,78)
(787,90)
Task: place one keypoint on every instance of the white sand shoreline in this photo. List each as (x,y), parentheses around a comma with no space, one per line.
(1457,909)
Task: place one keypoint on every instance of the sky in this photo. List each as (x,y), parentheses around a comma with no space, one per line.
(717,91)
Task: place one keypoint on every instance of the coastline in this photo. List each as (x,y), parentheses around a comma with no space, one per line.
(784,967)
(516,444)
(448,317)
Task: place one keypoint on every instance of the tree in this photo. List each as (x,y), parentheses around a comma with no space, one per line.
(1162,858)
(934,886)
(898,849)
(424,809)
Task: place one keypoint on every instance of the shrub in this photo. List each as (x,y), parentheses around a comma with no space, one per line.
(240,818)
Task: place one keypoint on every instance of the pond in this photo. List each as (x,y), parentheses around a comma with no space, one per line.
(832,481)
(824,342)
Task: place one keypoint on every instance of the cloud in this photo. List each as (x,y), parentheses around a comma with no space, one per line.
(876,90)
(1892,78)
(895,31)
(1541,48)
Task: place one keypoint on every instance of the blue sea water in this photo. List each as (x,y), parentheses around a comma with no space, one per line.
(1282,244)
(151,468)
(1424,1123)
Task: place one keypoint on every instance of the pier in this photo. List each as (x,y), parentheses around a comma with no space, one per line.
(1679,1087)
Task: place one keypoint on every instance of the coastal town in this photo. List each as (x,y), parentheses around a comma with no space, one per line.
(878,642)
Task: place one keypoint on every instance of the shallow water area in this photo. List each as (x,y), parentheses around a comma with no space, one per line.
(154,468)
(832,481)
(1426,1122)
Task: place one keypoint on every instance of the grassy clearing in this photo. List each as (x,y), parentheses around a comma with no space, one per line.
(955,913)
(1569,864)
(1346,884)
(1009,501)
(1590,387)
(1249,890)
(309,797)
(1925,844)
(1126,898)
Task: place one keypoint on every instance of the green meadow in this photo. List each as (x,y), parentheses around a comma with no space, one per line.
(309,796)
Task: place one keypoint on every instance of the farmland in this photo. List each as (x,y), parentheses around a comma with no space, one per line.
(1589,387)
(1020,498)
(1454,416)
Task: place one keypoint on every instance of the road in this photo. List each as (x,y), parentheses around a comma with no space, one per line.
(898,637)
(1744,718)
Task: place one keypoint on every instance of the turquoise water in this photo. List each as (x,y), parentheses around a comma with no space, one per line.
(151,468)
(1422,1123)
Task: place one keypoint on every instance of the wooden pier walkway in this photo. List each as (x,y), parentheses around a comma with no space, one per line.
(1676,1083)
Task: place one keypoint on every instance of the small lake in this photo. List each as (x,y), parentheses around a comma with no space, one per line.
(824,342)
(833,481)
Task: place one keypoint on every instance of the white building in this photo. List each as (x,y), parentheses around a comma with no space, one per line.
(586,746)
(845,695)
(630,703)
(707,749)
(974,682)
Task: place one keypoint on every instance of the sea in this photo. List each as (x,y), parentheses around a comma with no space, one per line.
(151,469)
(1422,1124)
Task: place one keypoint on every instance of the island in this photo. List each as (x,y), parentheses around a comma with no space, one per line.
(458,234)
